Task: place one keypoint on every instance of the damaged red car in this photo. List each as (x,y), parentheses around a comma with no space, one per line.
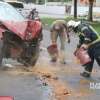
(20,38)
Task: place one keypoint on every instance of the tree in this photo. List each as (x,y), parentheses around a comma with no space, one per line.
(75,9)
(90,14)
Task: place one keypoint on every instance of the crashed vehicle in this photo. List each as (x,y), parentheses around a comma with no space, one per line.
(16,4)
(19,37)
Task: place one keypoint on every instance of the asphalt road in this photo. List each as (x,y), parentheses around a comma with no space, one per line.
(21,87)
(24,85)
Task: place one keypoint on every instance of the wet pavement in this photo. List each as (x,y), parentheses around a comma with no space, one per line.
(70,75)
(23,87)
(50,81)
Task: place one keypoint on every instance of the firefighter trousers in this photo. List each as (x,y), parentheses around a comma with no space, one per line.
(94,53)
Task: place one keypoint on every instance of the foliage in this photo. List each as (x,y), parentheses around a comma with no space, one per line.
(96,25)
(47,21)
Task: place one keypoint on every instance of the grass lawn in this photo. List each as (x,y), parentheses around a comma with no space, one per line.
(96,25)
(47,21)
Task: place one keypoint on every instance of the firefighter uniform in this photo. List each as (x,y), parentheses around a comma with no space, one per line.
(87,35)
(59,29)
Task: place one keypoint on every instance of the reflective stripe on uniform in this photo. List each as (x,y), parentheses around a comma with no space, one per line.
(84,28)
(80,33)
(95,32)
(87,72)
(87,39)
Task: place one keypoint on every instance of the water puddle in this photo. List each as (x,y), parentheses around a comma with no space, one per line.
(47,93)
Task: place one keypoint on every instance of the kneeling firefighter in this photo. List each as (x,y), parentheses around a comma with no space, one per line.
(89,39)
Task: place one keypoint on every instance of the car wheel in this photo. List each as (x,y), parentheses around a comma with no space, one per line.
(1,52)
(35,56)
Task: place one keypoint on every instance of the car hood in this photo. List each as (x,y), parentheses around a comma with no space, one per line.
(16,23)
(17,27)
(23,28)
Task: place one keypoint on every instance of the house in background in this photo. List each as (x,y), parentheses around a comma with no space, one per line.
(97,2)
(85,2)
(96,8)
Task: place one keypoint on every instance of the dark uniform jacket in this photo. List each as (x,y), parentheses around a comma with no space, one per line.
(87,34)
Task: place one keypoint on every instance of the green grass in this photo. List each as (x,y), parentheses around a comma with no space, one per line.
(96,25)
(47,21)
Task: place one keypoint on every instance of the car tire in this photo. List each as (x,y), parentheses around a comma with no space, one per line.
(35,56)
(1,51)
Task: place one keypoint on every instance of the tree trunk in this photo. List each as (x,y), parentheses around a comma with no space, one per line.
(75,9)
(37,1)
(90,14)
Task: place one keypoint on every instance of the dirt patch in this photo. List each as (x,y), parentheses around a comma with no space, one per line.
(49,75)
(59,89)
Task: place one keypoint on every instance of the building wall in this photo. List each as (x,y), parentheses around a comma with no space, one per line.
(98,2)
(85,2)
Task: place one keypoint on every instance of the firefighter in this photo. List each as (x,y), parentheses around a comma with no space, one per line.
(59,29)
(90,40)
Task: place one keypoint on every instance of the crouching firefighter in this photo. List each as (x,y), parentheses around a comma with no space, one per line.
(90,40)
(59,29)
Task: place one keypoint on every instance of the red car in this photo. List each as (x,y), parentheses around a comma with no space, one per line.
(20,37)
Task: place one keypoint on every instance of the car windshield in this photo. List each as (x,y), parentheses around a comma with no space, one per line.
(7,12)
